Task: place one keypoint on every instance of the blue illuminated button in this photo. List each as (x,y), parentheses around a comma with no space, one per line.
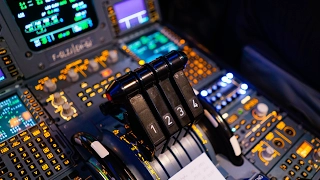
(218,107)
(204,93)
(214,87)
(218,95)
(223,103)
(229,75)
(229,99)
(213,99)
(244,86)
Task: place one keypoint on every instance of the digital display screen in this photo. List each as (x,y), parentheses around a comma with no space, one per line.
(304,149)
(130,13)
(14,117)
(151,46)
(44,23)
(2,76)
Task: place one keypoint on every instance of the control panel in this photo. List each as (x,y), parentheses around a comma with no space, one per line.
(101,89)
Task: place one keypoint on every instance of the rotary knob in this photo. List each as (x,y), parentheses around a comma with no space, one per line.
(113,56)
(261,110)
(67,109)
(93,66)
(72,76)
(49,86)
(316,155)
(57,99)
(267,153)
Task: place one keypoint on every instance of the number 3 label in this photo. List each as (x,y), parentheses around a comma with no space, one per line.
(180,111)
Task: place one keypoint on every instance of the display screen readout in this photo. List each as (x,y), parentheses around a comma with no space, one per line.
(14,117)
(2,76)
(131,13)
(304,149)
(151,46)
(44,23)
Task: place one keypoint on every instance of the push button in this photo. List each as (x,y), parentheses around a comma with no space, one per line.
(291,173)
(3,51)
(28,161)
(6,58)
(15,160)
(49,173)
(10,174)
(289,161)
(22,172)
(304,174)
(309,168)
(35,173)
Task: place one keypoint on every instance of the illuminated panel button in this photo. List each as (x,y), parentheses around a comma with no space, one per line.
(89,104)
(11,140)
(24,155)
(84,98)
(41,113)
(296,167)
(243,121)
(42,145)
(6,58)
(46,134)
(50,156)
(32,167)
(28,161)
(80,94)
(12,154)
(39,139)
(89,90)
(32,101)
(83,85)
(54,145)
(58,151)
(96,86)
(3,144)
(103,82)
(54,161)
(22,172)
(35,104)
(100,90)
(3,51)
(4,150)
(7,62)
(18,166)
(258,134)
(284,167)
(46,150)
(26,178)
(21,149)
(35,173)
(286,178)
(254,122)
(37,155)
(11,68)
(293,156)
(15,160)
(41,161)
(304,174)
(58,167)
(66,162)
(288,161)
(45,167)
(30,144)
(3,171)
(35,132)
(62,156)
(92,94)
(14,73)
(248,126)
(301,162)
(10,174)
(291,173)
(49,173)
(309,168)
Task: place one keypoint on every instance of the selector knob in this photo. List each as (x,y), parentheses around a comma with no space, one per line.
(72,76)
(316,155)
(57,99)
(267,153)
(93,66)
(261,110)
(49,86)
(67,109)
(113,56)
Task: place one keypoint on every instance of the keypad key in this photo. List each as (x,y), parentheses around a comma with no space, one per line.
(58,151)
(33,150)
(39,139)
(296,167)
(46,134)
(28,161)
(62,156)
(41,161)
(304,174)
(18,166)
(58,167)
(45,167)
(32,167)
(21,149)
(54,161)
(4,150)
(54,145)
(49,156)
(291,173)
(24,155)
(42,145)
(37,155)
(26,178)
(309,168)
(40,178)
(35,131)
(286,178)
(30,144)
(10,174)
(51,140)
(22,172)
(293,156)
(15,160)
(46,150)
(3,171)
(66,162)
(301,162)
(289,161)
(36,173)
(12,154)
(49,173)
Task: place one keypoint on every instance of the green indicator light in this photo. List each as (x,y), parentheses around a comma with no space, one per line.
(63,2)
(60,35)
(39,2)
(144,40)
(23,5)
(240,111)
(72,1)
(152,46)
(67,33)
(44,40)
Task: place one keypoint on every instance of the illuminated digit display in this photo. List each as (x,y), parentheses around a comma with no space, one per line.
(44,23)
